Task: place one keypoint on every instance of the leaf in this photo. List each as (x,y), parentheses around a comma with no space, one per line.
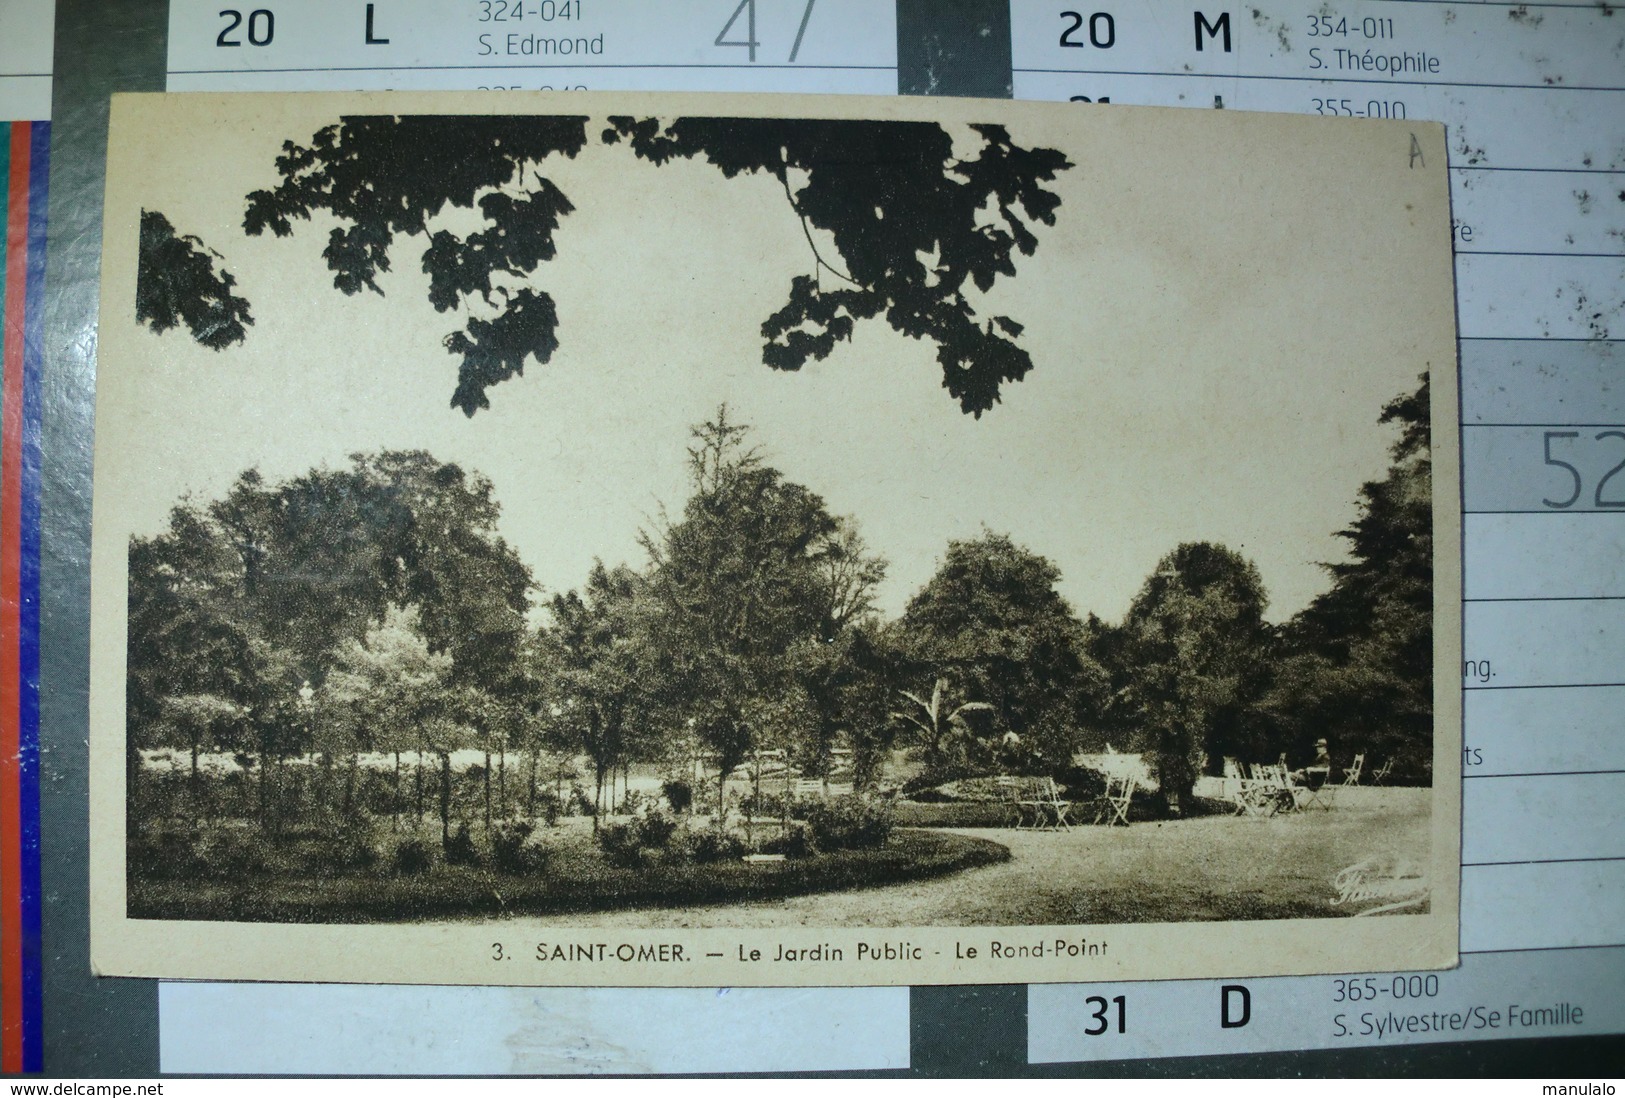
(908,224)
(177,282)
(495,350)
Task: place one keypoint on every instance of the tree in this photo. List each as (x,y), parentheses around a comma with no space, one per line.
(913,227)
(907,220)
(1180,659)
(261,591)
(936,719)
(321,557)
(1358,667)
(177,283)
(382,688)
(829,667)
(450,728)
(202,719)
(196,669)
(992,623)
(599,667)
(735,585)
(871,660)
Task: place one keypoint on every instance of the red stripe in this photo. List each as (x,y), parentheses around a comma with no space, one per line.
(11,480)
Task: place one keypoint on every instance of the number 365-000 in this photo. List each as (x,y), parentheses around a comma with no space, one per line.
(1571,478)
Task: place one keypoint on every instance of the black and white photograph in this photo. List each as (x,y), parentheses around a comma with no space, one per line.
(705,540)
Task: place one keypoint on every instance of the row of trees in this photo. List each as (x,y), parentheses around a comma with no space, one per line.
(375,608)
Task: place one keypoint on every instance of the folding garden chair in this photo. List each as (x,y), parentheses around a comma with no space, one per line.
(1039,805)
(1317,789)
(1114,803)
(1351,776)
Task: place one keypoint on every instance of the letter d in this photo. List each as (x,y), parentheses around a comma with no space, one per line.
(1226,1020)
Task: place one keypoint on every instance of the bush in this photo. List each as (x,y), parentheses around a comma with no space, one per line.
(226,853)
(210,853)
(678,793)
(849,823)
(920,783)
(460,848)
(796,842)
(343,850)
(579,804)
(624,844)
(710,845)
(954,814)
(513,851)
(1081,784)
(962,791)
(157,854)
(343,844)
(655,828)
(413,856)
(620,844)
(548,806)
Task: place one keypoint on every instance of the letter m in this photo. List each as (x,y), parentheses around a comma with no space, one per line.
(1212,30)
(1550,1090)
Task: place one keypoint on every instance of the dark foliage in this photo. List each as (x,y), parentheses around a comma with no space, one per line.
(907,220)
(620,845)
(796,841)
(459,891)
(345,849)
(549,806)
(240,601)
(221,854)
(414,857)
(598,668)
(678,793)
(954,814)
(742,589)
(914,227)
(460,848)
(655,828)
(630,843)
(384,177)
(711,846)
(1182,658)
(177,282)
(512,850)
(849,823)
(991,623)
(1357,664)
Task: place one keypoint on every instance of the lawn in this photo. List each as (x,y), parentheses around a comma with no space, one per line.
(575,879)
(1204,868)
(1217,867)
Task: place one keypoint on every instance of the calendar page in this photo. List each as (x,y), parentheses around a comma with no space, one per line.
(1526,93)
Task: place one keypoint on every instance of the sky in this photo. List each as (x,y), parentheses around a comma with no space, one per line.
(1216,320)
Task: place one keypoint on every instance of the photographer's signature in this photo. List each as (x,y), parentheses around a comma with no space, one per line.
(1394,883)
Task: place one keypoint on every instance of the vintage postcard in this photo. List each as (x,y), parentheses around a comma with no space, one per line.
(693,540)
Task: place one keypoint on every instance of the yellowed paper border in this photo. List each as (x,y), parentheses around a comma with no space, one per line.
(1352,233)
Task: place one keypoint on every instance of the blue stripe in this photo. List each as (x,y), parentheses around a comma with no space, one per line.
(29,596)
